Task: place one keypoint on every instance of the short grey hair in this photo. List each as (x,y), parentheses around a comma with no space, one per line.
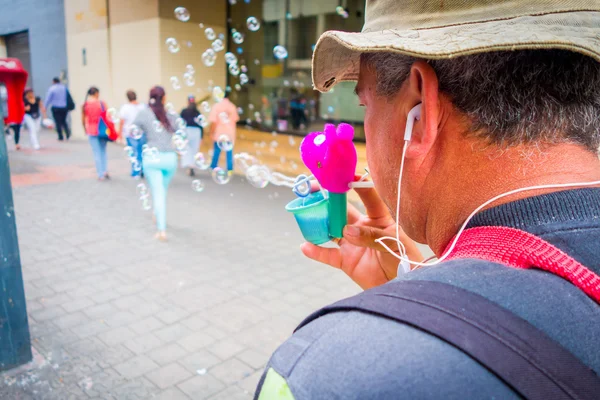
(512,98)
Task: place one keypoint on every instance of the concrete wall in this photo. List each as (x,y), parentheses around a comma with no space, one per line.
(44,19)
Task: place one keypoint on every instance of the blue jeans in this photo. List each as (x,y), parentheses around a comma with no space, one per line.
(159,173)
(99,148)
(136,145)
(217,155)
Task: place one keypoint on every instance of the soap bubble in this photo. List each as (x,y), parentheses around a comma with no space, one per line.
(201,120)
(274,144)
(233,3)
(292,141)
(240,110)
(158,126)
(170,108)
(250,106)
(230,58)
(182,14)
(243,79)
(197,185)
(136,166)
(201,25)
(218,94)
(205,106)
(146,205)
(181,125)
(129,151)
(225,143)
(135,132)
(288,15)
(238,87)
(190,69)
(256,61)
(189,79)
(142,190)
(220,176)
(280,52)
(238,37)
(258,176)
(239,50)
(253,24)
(224,117)
(172,45)
(301,186)
(112,114)
(179,142)
(244,69)
(218,45)
(201,162)
(286,83)
(175,83)
(234,69)
(209,57)
(222,36)
(210,33)
(330,109)
(228,89)
(341,11)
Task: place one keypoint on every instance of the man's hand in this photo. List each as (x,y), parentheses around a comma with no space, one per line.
(367,263)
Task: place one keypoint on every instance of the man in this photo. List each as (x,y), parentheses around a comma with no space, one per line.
(509,94)
(223,118)
(127,114)
(58,98)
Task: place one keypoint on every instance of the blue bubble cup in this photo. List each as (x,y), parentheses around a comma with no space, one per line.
(312,216)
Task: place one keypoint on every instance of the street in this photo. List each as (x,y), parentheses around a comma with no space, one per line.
(116,314)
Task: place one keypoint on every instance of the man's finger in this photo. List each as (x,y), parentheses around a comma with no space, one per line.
(374,206)
(365,236)
(353,214)
(329,256)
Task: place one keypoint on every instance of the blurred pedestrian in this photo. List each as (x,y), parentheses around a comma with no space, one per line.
(223,118)
(92,110)
(34,111)
(298,110)
(160,161)
(60,101)
(194,134)
(132,134)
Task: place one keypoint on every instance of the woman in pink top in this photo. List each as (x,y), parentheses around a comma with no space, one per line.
(223,118)
(91,113)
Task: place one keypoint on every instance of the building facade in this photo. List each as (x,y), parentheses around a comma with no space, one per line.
(118,45)
(34,32)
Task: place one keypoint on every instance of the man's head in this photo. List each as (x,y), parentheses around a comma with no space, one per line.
(131,96)
(472,107)
(55,80)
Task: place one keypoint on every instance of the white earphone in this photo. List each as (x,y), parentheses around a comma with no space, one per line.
(405,263)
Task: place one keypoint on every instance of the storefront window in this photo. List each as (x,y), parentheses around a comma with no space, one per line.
(279,95)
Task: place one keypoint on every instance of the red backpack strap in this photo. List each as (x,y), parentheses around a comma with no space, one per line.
(518,249)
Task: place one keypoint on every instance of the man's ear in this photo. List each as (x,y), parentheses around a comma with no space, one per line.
(423,88)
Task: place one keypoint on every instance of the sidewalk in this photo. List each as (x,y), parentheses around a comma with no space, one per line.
(116,315)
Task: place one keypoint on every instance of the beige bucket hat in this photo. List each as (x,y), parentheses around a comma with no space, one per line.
(436,29)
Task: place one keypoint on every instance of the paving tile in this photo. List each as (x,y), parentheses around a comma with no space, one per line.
(116,336)
(168,375)
(199,360)
(172,394)
(172,333)
(196,341)
(233,393)
(201,387)
(254,358)
(146,325)
(226,348)
(136,366)
(143,344)
(167,354)
(231,371)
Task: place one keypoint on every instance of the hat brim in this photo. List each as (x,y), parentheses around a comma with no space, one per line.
(337,54)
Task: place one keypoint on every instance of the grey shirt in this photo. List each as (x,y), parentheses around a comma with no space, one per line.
(352,355)
(159,138)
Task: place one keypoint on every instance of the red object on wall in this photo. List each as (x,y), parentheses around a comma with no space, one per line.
(14,77)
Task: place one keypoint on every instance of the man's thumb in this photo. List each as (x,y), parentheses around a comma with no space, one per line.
(363,236)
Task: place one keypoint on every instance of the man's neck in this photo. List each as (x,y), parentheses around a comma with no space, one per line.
(484,177)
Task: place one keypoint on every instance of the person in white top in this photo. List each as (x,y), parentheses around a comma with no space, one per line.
(132,134)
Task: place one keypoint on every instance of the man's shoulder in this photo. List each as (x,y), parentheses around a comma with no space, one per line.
(354,349)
